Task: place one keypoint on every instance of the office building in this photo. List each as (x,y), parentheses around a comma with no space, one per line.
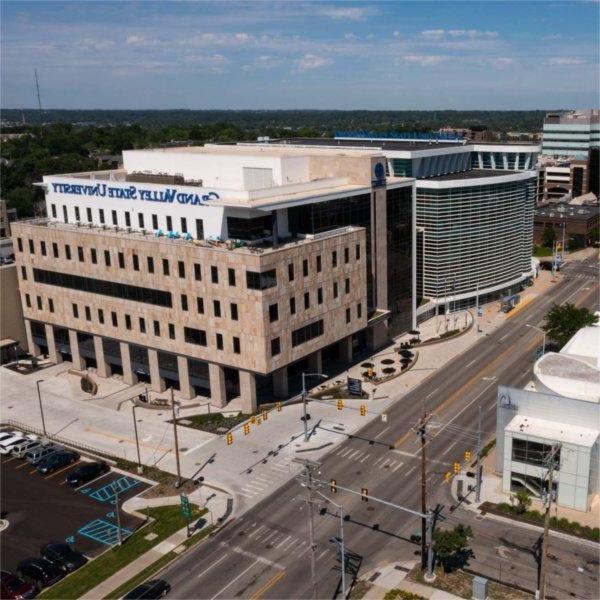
(561,177)
(577,221)
(560,407)
(219,270)
(571,133)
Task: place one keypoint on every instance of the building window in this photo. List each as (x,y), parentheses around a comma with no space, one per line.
(55,249)
(236,345)
(127,219)
(24,273)
(275,346)
(305,267)
(142,325)
(27,300)
(346,255)
(43,247)
(261,281)
(197,272)
(121,257)
(184,302)
(141,224)
(217,308)
(128,322)
(165,263)
(194,336)
(181,269)
(292,306)
(88,313)
(320,296)
(31,247)
(319,265)
(231,276)
(334,258)
(183,225)
(306,333)
(115,221)
(171,331)
(154,222)
(94,256)
(532,453)
(53,209)
(77,216)
(113,317)
(136,262)
(51,305)
(156,328)
(75,310)
(357,252)
(234,311)
(101,214)
(335,289)
(20,244)
(80,253)
(39,302)
(306,300)
(200,229)
(347,285)
(200,305)
(219,338)
(88,212)
(359,310)
(291,272)
(273,312)
(65,214)
(107,258)
(214,274)
(169,223)
(101,316)
(348,315)
(150,263)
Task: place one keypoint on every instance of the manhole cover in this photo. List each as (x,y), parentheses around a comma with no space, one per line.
(371,508)
(182,449)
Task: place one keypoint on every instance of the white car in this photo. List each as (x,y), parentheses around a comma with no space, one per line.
(19,450)
(9,443)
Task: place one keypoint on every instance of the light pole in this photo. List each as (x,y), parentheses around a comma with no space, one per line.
(178,484)
(37,383)
(137,439)
(543,333)
(304,376)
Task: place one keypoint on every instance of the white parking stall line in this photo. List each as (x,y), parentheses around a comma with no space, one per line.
(409,454)
(283,541)
(397,467)
(362,460)
(503,337)
(256,531)
(280,466)
(304,551)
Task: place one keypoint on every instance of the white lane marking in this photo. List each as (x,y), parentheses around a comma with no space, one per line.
(382,432)
(322,555)
(283,542)
(362,460)
(234,580)
(211,566)
(410,470)
(575,292)
(449,448)
(471,363)
(397,467)
(410,454)
(432,393)
(502,338)
(258,558)
(491,407)
(256,531)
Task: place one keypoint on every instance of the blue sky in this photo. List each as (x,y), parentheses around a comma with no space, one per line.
(268,55)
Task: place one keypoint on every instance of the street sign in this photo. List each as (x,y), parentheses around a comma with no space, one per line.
(384,417)
(354,386)
(186,509)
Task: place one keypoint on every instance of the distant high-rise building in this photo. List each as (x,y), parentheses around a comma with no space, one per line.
(571,133)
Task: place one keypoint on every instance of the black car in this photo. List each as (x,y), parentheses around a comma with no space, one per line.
(63,556)
(57,460)
(13,588)
(39,571)
(86,472)
(155,588)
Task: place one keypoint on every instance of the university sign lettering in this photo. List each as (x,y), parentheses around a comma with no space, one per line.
(132,192)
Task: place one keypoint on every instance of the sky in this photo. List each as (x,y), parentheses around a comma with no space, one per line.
(301,55)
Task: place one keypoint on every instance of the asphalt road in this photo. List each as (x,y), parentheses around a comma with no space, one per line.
(265,554)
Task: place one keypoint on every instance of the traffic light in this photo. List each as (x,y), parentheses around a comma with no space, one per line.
(229,439)
(265,415)
(246,429)
(467,455)
(363,410)
(364,494)
(253,419)
(456,468)
(447,476)
(258,420)
(333,486)
(340,404)
(278,406)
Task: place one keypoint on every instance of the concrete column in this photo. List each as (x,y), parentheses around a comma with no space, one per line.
(346,349)
(185,389)
(55,356)
(78,361)
(129,377)
(280,383)
(248,392)
(32,347)
(315,362)
(157,383)
(102,367)
(377,335)
(216,374)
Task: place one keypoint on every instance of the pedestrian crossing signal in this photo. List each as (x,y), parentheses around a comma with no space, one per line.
(467,455)
(340,404)
(265,415)
(456,468)
(363,410)
(333,486)
(278,406)
(246,429)
(364,494)
(229,439)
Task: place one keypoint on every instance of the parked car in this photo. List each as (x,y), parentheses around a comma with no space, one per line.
(13,588)
(39,571)
(86,472)
(57,460)
(33,457)
(20,450)
(63,556)
(155,588)
(5,434)
(9,443)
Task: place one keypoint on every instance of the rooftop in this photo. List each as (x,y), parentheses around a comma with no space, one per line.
(567,211)
(551,430)
(472,174)
(585,345)
(364,143)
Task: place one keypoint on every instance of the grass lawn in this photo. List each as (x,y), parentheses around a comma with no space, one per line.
(542,251)
(214,421)
(168,520)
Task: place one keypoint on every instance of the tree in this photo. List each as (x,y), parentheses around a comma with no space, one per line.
(548,237)
(521,501)
(451,546)
(561,323)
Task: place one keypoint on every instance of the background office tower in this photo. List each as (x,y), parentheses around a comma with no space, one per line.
(571,133)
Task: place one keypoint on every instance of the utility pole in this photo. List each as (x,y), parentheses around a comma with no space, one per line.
(37,383)
(479,466)
(137,439)
(421,431)
(308,466)
(550,464)
(304,415)
(176,440)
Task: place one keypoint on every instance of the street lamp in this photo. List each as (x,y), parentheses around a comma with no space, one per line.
(137,440)
(543,333)
(304,376)
(37,383)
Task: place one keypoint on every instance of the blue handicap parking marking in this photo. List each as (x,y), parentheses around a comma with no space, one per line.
(108,492)
(103,532)
(70,539)
(111,514)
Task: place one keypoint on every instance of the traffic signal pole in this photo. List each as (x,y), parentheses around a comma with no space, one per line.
(421,430)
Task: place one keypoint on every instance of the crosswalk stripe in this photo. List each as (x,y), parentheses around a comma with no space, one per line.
(249,491)
(362,460)
(269,537)
(345,452)
(397,467)
(354,455)
(283,542)
(379,460)
(246,495)
(256,531)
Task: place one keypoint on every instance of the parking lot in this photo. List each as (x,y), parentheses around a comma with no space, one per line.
(42,508)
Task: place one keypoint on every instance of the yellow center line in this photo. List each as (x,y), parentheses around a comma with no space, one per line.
(61,470)
(267,586)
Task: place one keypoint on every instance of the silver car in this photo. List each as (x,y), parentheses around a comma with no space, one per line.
(33,457)
(19,450)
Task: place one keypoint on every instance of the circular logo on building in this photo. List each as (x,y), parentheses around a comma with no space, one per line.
(379,171)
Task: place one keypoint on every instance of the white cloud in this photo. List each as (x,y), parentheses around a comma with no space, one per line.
(91,44)
(500,62)
(349,36)
(396,34)
(263,63)
(433,34)
(564,61)
(311,61)
(346,13)
(424,60)
(134,40)
(472,33)
(552,36)
(371,36)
